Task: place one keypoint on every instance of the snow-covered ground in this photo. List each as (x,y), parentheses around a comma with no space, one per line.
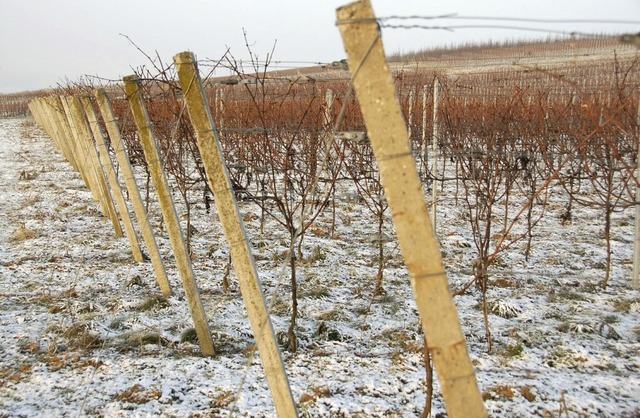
(85,332)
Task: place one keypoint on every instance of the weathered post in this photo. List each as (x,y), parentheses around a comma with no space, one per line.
(434,152)
(134,193)
(79,155)
(382,115)
(412,99)
(176,237)
(100,189)
(107,165)
(636,246)
(52,109)
(233,227)
(424,150)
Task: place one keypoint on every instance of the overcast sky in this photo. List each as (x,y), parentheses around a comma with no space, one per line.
(44,42)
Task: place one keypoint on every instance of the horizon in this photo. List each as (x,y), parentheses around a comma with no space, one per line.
(52,43)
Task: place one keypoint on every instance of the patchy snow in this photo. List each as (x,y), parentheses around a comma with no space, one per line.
(85,332)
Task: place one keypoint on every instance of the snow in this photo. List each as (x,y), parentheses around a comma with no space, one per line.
(75,340)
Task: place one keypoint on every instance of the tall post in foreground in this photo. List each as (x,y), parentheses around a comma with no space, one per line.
(154,162)
(134,193)
(233,227)
(382,115)
(636,246)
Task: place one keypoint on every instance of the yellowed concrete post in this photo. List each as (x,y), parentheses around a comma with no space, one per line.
(86,140)
(82,152)
(45,120)
(51,109)
(636,241)
(154,162)
(233,227)
(107,165)
(374,88)
(434,144)
(54,107)
(134,193)
(60,104)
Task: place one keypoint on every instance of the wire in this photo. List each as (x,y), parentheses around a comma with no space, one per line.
(382,22)
(511,19)
(452,28)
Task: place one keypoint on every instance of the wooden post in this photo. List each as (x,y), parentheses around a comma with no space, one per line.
(412,98)
(328,114)
(79,157)
(233,227)
(93,170)
(636,246)
(374,88)
(107,165)
(86,140)
(183,261)
(424,151)
(82,154)
(134,193)
(434,144)
(52,109)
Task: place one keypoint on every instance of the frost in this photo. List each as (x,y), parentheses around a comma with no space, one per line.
(505,309)
(83,334)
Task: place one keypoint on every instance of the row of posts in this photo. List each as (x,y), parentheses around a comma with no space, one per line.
(72,123)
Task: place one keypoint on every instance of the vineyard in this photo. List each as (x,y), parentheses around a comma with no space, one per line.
(291,255)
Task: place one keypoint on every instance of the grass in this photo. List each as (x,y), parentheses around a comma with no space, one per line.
(189,336)
(626,305)
(22,233)
(80,336)
(513,350)
(138,394)
(152,302)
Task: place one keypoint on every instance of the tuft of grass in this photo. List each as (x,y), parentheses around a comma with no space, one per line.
(189,336)
(317,254)
(223,399)
(526,393)
(279,306)
(131,340)
(138,394)
(330,315)
(326,333)
(513,350)
(152,302)
(314,393)
(80,336)
(626,305)
(504,309)
(567,294)
(316,293)
(498,392)
(59,361)
(22,233)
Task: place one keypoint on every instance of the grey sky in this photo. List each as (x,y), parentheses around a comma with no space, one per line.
(42,42)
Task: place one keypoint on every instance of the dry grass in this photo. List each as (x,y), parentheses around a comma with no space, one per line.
(22,233)
(138,394)
(152,302)
(223,399)
(59,361)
